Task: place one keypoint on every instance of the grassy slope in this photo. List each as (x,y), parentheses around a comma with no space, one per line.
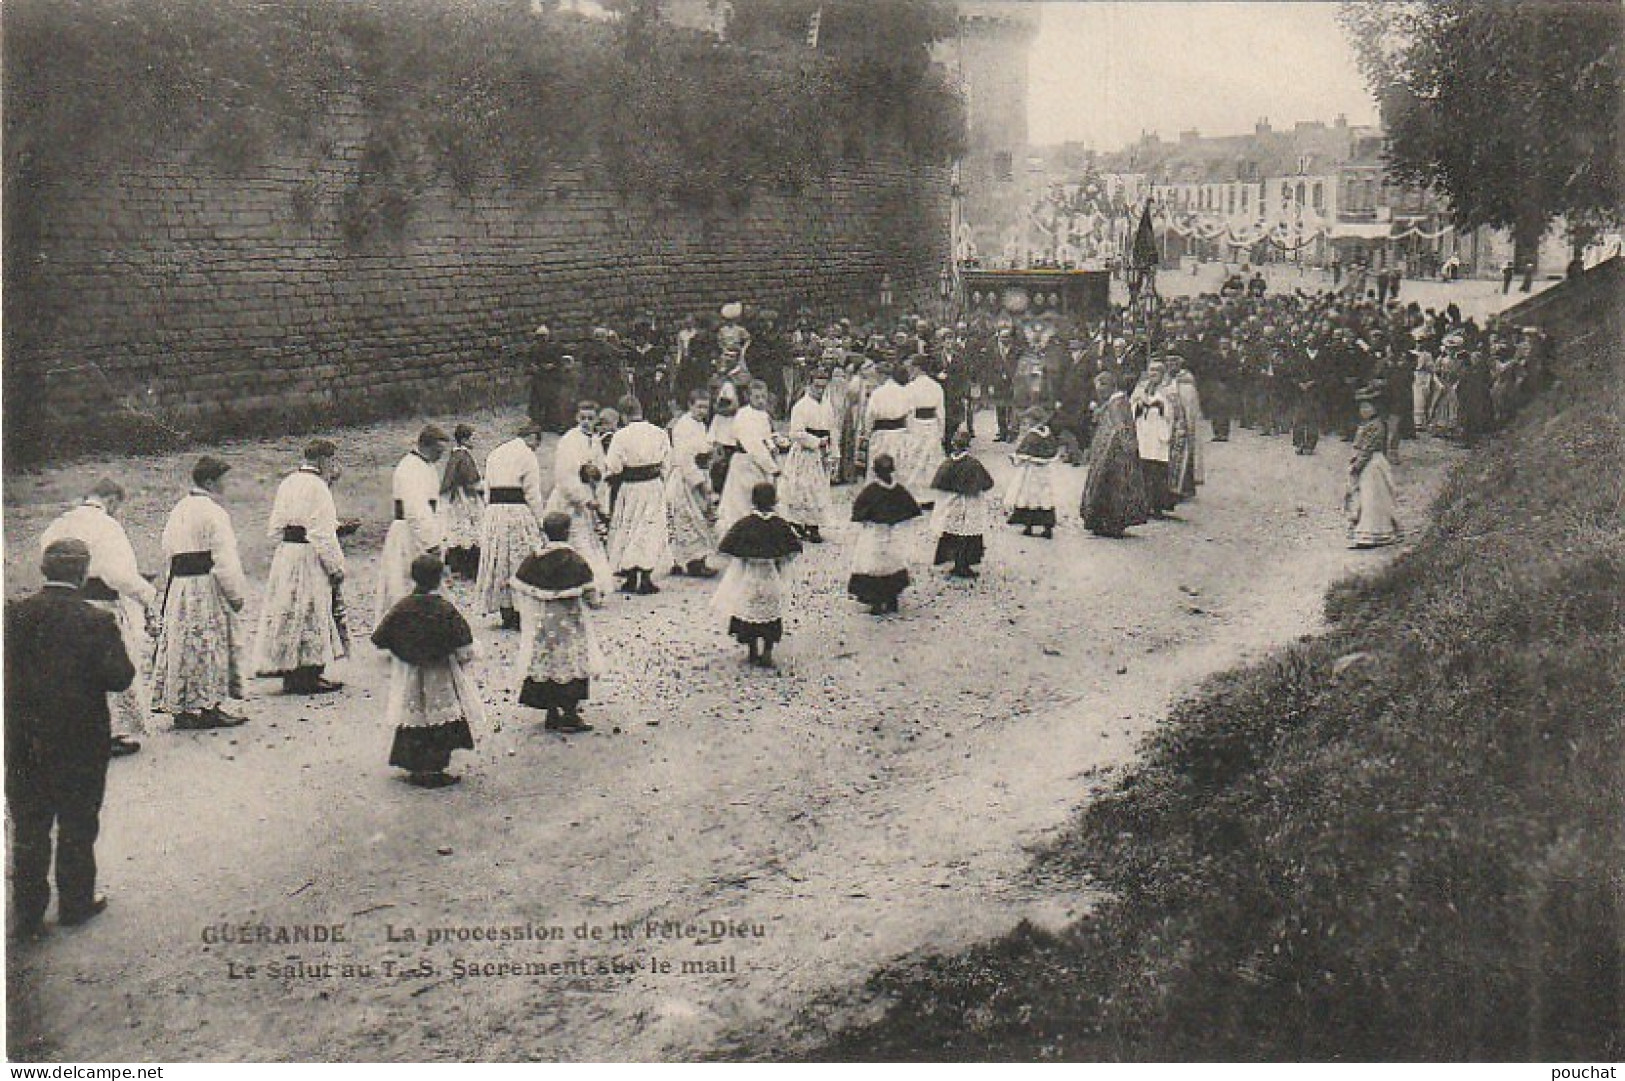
(1419,857)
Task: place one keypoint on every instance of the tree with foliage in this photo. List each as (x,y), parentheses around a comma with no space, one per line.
(1510,110)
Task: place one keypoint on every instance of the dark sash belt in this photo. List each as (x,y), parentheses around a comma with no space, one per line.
(190,564)
(95,589)
(294,534)
(928,412)
(400,509)
(729,449)
(893,424)
(505,495)
(819,433)
(636,474)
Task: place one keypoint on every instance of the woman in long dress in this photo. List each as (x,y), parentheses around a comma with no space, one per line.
(1446,418)
(1423,387)
(1370,504)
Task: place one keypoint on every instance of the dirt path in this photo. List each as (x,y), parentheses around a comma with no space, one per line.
(872,798)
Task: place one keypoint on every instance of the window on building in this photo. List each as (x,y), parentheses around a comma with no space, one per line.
(1230,200)
(1004,166)
(1320,198)
(1245,190)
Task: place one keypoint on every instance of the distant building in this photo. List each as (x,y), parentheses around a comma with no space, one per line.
(711,16)
(1308,194)
(987,61)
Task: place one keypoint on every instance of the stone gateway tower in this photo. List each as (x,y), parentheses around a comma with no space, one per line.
(988,60)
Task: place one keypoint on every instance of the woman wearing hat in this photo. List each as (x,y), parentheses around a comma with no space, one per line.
(1370,504)
(731,335)
(1446,416)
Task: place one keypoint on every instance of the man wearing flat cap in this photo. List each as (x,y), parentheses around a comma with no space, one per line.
(416,527)
(298,636)
(198,661)
(63,658)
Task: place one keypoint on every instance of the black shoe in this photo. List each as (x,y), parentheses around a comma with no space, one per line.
(438,779)
(572,725)
(699,569)
(1049,534)
(646,586)
(77,917)
(124,746)
(677,571)
(628,586)
(318,685)
(215,717)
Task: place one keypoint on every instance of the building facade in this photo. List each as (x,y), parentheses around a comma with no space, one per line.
(987,61)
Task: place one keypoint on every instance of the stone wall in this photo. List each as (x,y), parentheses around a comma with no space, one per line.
(174,301)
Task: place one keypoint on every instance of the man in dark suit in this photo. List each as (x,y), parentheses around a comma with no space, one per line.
(63,658)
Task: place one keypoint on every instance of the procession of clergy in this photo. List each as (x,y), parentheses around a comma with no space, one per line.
(628,500)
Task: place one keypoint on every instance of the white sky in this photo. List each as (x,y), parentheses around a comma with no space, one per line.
(1103,71)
